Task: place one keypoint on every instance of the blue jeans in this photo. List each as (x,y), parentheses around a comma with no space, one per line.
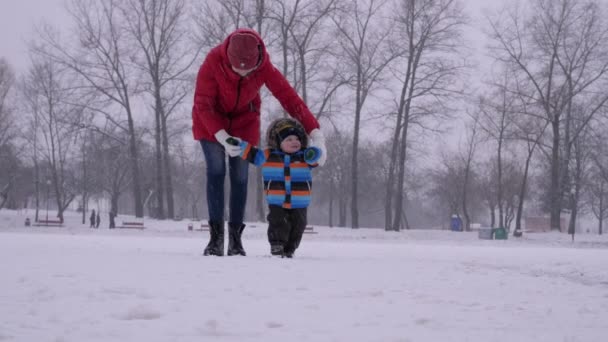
(216,172)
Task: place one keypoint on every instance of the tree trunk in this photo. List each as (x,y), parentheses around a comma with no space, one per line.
(134,156)
(399,188)
(37,188)
(168,170)
(331,202)
(465,210)
(354,210)
(160,203)
(388,200)
(303,76)
(390,186)
(342,200)
(522,192)
(555,191)
(575,196)
(84,182)
(501,218)
(403,146)
(114,202)
(601,209)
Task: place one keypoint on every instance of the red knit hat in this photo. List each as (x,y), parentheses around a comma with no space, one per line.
(243,51)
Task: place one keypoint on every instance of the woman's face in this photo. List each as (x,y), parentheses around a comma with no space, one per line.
(291,144)
(242,72)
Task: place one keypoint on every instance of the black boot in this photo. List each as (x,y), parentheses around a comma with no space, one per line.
(216,240)
(276,249)
(235,246)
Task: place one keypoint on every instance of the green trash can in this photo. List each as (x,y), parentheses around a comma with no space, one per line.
(500,234)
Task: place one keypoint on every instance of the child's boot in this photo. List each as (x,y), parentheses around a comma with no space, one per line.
(276,249)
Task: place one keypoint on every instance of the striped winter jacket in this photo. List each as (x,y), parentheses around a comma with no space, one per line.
(287,177)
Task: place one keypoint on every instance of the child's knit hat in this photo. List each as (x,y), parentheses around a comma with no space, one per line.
(284,127)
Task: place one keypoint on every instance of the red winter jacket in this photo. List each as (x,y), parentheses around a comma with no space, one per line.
(224,99)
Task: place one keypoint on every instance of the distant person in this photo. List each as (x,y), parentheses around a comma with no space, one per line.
(227,109)
(92,219)
(97,220)
(286,167)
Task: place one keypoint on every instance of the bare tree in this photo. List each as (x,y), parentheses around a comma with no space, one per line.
(190,179)
(559,51)
(216,19)
(158,27)
(497,109)
(467,158)
(446,185)
(511,179)
(364,45)
(432,33)
(47,88)
(101,59)
(598,182)
(284,13)
(7,80)
(530,131)
(112,173)
(331,183)
(581,168)
(314,54)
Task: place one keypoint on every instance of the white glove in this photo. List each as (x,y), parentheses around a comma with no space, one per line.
(231,144)
(318,141)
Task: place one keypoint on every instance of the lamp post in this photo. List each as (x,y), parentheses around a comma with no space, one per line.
(48,187)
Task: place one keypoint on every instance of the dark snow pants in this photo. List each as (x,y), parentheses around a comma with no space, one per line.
(285,227)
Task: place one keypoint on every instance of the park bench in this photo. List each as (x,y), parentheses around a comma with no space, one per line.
(310,230)
(205,227)
(132,225)
(202,227)
(48,223)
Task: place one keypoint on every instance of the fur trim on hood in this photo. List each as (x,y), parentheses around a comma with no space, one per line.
(272,136)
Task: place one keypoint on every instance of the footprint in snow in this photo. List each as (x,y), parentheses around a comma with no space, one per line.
(274,325)
(140,313)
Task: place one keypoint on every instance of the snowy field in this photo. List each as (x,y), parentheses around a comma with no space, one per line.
(75,284)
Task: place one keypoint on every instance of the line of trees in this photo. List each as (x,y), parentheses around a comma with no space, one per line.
(104,111)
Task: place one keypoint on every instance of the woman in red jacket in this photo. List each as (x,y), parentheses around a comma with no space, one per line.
(227,109)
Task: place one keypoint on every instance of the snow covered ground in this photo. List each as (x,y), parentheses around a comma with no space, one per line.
(80,284)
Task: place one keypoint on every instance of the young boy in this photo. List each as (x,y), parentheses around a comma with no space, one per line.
(286,169)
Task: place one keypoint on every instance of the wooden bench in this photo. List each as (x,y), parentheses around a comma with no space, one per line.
(203,227)
(48,223)
(132,225)
(310,230)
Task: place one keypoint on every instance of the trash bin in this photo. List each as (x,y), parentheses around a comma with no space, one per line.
(500,234)
(485,233)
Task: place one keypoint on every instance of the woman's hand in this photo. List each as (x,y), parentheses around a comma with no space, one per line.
(231,144)
(318,141)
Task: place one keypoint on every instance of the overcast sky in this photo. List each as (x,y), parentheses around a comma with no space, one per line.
(17,21)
